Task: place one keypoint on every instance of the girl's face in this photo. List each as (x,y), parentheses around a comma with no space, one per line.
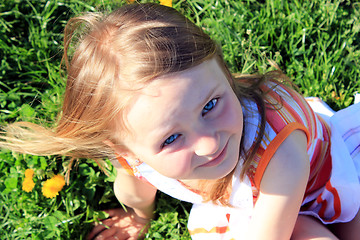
(187,125)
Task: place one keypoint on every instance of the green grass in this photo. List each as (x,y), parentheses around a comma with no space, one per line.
(315,42)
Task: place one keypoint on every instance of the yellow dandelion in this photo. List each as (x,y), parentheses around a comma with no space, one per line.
(130,1)
(53,186)
(167,3)
(29,173)
(28,184)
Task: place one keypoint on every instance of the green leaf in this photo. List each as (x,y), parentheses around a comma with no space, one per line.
(26,111)
(11,183)
(50,223)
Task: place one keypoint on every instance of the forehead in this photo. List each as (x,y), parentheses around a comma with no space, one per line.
(161,102)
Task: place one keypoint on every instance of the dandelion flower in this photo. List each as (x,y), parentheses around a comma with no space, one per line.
(53,186)
(167,3)
(28,184)
(29,173)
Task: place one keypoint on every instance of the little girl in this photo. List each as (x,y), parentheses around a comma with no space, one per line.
(150,90)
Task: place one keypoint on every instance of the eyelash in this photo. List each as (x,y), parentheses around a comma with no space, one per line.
(170,140)
(207,108)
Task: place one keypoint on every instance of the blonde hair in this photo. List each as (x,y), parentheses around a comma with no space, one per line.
(114,55)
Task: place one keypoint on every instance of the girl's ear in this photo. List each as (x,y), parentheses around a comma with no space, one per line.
(120,152)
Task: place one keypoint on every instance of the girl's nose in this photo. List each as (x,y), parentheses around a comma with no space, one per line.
(206,145)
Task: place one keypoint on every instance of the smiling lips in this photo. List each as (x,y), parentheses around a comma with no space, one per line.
(217,160)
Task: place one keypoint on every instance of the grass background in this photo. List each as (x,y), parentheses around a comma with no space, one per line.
(315,42)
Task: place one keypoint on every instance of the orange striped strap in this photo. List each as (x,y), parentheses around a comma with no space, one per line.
(125,165)
(273,146)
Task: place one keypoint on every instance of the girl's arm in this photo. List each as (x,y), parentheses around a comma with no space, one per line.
(134,193)
(139,196)
(281,190)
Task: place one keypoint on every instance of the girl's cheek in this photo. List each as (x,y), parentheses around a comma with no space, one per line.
(177,165)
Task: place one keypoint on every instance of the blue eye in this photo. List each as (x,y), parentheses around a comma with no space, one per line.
(171,139)
(209,106)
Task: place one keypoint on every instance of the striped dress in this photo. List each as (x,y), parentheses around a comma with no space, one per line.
(333,190)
